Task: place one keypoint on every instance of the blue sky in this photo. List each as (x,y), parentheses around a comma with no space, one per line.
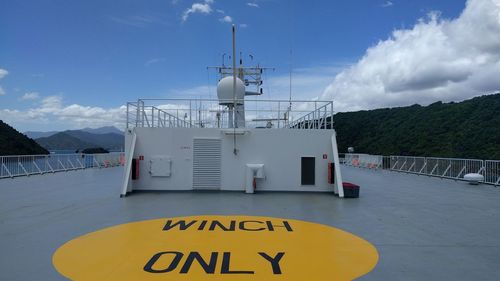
(105,53)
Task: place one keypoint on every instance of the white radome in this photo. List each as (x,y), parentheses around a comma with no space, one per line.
(225,91)
(474,178)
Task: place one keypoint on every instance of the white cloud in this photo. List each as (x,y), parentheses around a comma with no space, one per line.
(3,73)
(243,25)
(387,4)
(30,96)
(143,20)
(153,61)
(194,92)
(435,60)
(251,4)
(202,8)
(307,83)
(226,19)
(52,113)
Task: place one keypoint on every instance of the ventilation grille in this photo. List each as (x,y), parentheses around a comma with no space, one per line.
(206,163)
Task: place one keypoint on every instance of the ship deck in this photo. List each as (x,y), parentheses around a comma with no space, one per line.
(423,228)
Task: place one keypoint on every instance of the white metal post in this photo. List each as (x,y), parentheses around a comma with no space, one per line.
(336,163)
(127,115)
(22,167)
(128,165)
(7,170)
(38,168)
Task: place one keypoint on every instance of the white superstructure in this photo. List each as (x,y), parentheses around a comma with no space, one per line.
(233,142)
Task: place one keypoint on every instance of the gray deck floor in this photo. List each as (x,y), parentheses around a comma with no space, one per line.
(424,228)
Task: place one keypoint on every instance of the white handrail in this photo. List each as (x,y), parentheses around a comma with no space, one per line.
(25,165)
(209,113)
(450,168)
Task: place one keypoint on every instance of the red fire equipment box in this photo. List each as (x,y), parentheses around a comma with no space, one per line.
(331,173)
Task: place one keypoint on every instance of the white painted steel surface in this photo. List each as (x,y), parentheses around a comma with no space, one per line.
(279,150)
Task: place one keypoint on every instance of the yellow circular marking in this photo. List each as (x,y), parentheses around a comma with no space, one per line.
(216,248)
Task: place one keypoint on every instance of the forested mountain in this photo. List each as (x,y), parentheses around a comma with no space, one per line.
(14,143)
(469,129)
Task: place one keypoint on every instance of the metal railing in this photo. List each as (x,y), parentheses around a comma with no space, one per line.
(26,165)
(450,168)
(363,160)
(319,118)
(492,172)
(209,113)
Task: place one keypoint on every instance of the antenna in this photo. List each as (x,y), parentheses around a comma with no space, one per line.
(223,55)
(234,91)
(291,62)
(291,67)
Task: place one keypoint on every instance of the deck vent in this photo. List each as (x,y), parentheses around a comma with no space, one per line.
(206,164)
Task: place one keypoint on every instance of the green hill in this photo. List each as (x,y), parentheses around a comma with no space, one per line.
(468,129)
(14,143)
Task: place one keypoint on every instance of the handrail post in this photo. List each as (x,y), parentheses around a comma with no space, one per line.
(143,115)
(315,115)
(22,166)
(152,117)
(279,107)
(62,165)
(48,164)
(126,115)
(36,166)
(331,115)
(7,170)
(138,111)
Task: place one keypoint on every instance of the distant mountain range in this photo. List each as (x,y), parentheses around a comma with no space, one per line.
(109,138)
(14,143)
(101,130)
